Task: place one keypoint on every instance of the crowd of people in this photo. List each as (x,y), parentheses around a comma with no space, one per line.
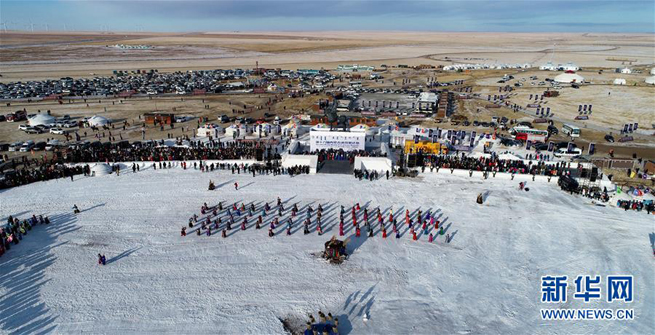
(636,205)
(341,155)
(368,175)
(27,171)
(214,150)
(494,164)
(15,230)
(227,219)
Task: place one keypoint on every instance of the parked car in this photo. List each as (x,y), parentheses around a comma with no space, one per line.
(23,126)
(609,138)
(224,118)
(39,146)
(562,152)
(70,124)
(541,146)
(57,131)
(27,146)
(52,144)
(32,130)
(552,130)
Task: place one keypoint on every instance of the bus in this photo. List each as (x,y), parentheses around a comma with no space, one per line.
(571,130)
(523,133)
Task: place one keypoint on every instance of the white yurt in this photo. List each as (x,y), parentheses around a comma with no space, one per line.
(245,129)
(209,129)
(266,129)
(569,77)
(652,71)
(626,70)
(290,129)
(100,169)
(97,121)
(619,81)
(41,119)
(650,80)
(232,131)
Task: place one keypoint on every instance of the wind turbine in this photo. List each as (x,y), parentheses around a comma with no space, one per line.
(4,26)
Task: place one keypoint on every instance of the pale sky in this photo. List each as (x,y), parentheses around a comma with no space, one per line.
(311,15)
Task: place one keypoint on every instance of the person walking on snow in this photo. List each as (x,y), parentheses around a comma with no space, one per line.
(236,186)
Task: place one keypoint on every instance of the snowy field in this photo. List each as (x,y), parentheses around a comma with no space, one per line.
(485,281)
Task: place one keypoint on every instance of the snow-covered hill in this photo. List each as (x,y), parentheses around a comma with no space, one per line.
(485,281)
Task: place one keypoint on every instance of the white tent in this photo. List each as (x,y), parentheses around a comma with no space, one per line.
(626,70)
(266,129)
(232,131)
(210,129)
(41,119)
(652,71)
(569,77)
(650,80)
(245,129)
(548,67)
(569,67)
(100,169)
(619,81)
(97,121)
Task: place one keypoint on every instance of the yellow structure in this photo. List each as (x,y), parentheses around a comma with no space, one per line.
(425,147)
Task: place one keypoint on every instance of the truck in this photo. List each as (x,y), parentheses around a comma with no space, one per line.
(17,116)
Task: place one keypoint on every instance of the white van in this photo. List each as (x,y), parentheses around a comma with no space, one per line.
(562,152)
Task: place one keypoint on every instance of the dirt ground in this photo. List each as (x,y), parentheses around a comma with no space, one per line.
(29,56)
(34,56)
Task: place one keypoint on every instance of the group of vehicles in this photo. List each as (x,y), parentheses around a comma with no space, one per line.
(30,145)
(59,127)
(524,132)
(146,83)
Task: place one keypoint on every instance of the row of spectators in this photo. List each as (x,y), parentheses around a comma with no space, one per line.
(637,205)
(195,151)
(496,165)
(341,155)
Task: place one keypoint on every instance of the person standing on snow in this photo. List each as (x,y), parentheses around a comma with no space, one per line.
(236,186)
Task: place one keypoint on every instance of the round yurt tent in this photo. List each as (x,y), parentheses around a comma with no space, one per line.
(265,129)
(619,81)
(40,120)
(650,80)
(569,77)
(232,131)
(100,169)
(210,129)
(97,121)
(652,71)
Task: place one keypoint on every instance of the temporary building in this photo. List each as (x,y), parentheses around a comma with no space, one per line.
(97,121)
(626,70)
(41,119)
(650,80)
(569,67)
(210,129)
(266,129)
(293,129)
(652,71)
(245,129)
(232,131)
(548,67)
(569,77)
(619,81)
(100,169)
